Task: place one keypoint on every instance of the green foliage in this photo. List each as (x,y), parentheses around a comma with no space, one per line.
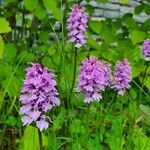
(40,11)
(4,26)
(77,127)
(30,5)
(10,51)
(30,139)
(52,5)
(96,26)
(36,36)
(137,36)
(1,47)
(124,1)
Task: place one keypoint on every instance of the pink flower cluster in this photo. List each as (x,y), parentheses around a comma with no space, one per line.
(146,49)
(76,25)
(38,95)
(121,76)
(93,77)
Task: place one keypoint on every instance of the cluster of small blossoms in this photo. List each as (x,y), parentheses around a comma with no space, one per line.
(121,76)
(38,95)
(93,77)
(146,49)
(76,25)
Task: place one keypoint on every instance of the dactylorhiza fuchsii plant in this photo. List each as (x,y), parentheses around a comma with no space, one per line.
(76,25)
(38,95)
(93,77)
(146,49)
(121,77)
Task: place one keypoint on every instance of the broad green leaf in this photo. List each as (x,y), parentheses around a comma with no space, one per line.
(147,8)
(90,9)
(44,36)
(123,2)
(40,11)
(52,5)
(96,26)
(9,1)
(4,26)
(1,47)
(52,50)
(30,4)
(147,82)
(137,69)
(137,36)
(10,51)
(138,9)
(30,139)
(92,43)
(129,20)
(146,25)
(12,86)
(102,1)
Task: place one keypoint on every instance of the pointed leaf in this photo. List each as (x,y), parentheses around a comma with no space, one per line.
(1,47)
(4,26)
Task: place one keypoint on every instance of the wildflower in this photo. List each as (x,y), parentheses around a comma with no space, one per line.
(93,78)
(38,95)
(76,25)
(121,76)
(146,49)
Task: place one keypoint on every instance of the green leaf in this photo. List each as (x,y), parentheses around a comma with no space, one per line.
(147,82)
(116,131)
(52,5)
(129,21)
(44,36)
(147,8)
(4,26)
(59,120)
(133,93)
(40,11)
(1,47)
(77,127)
(138,9)
(9,1)
(92,43)
(145,25)
(52,50)
(30,139)
(137,36)
(10,51)
(30,5)
(137,68)
(96,26)
(12,86)
(123,2)
(103,1)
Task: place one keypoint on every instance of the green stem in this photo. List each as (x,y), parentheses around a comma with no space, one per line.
(109,106)
(87,121)
(40,139)
(74,73)
(142,84)
(88,114)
